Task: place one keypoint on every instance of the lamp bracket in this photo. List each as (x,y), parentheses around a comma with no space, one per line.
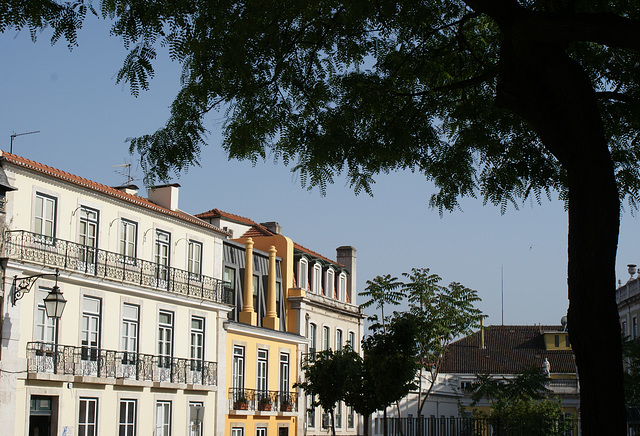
(23,285)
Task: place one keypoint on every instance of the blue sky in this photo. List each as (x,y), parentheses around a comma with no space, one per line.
(84,118)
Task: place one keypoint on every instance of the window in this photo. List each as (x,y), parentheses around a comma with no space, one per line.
(127,426)
(316,280)
(238,372)
(194,262)
(46,328)
(330,282)
(237,431)
(91,314)
(338,415)
(165,338)
(88,237)
(352,340)
(161,257)
(129,335)
(262,382)
(261,431)
(303,273)
(342,287)
(128,238)
(351,418)
(196,415)
(624,328)
(634,327)
(557,338)
(326,338)
(566,341)
(45,216)
(88,417)
(284,377)
(197,343)
(229,278)
(313,332)
(338,339)
(311,413)
(163,418)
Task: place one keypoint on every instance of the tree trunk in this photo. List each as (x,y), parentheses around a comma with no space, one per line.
(552,92)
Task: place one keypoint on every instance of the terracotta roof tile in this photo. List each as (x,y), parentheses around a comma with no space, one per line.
(508,350)
(104,189)
(217,213)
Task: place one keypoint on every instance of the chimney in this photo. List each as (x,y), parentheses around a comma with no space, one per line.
(273,227)
(165,196)
(346,255)
(128,189)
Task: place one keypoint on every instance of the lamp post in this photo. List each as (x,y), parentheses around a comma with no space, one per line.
(53,303)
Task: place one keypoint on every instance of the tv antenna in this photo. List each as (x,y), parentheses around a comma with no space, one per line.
(14,134)
(127,174)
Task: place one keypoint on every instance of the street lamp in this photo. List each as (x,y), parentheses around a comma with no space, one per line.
(53,303)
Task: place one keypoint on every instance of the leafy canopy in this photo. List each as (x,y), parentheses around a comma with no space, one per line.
(358,88)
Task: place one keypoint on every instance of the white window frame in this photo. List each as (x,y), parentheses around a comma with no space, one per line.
(342,287)
(262,372)
(163,418)
(197,340)
(326,338)
(303,273)
(87,421)
(46,328)
(130,330)
(91,331)
(313,337)
(45,212)
(352,340)
(237,431)
(165,338)
(337,413)
(126,426)
(285,381)
(238,370)
(194,259)
(339,339)
(128,241)
(316,278)
(162,256)
(330,282)
(192,429)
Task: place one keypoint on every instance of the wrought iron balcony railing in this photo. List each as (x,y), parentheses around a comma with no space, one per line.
(31,247)
(47,358)
(265,401)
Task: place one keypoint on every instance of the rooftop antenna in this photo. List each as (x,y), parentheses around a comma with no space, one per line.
(14,134)
(128,172)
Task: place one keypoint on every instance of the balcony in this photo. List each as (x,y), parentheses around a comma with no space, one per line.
(262,401)
(51,361)
(30,247)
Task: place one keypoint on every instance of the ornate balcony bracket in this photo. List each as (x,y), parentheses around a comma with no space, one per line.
(21,286)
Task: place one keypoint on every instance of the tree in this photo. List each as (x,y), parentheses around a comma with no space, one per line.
(520,405)
(443,314)
(631,356)
(332,376)
(510,99)
(382,290)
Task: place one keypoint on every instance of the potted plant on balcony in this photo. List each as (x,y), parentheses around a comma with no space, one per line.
(264,404)
(286,405)
(241,403)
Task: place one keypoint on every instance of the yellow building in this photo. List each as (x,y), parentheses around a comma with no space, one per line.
(296,302)
(140,347)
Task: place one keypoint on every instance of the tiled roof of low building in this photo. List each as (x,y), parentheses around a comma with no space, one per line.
(104,189)
(508,349)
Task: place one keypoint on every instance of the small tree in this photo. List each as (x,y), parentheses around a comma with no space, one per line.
(442,314)
(332,376)
(382,290)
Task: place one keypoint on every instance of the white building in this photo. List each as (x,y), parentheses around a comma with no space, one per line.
(140,347)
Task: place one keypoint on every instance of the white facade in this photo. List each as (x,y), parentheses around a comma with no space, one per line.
(140,347)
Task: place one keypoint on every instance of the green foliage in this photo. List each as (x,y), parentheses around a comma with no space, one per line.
(521,405)
(358,88)
(382,290)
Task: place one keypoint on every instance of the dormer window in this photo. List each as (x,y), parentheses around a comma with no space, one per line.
(316,280)
(303,273)
(342,287)
(330,283)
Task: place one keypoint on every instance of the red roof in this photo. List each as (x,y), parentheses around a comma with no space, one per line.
(509,349)
(217,213)
(104,189)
